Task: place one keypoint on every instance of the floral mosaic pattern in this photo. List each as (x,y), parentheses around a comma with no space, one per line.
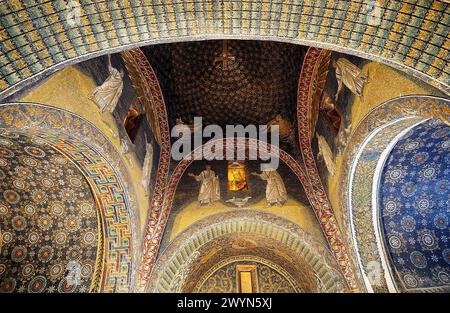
(48,219)
(414,195)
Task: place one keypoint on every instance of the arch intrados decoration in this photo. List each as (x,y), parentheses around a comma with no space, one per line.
(362,206)
(147,87)
(378,132)
(306,98)
(389,111)
(147,25)
(182,250)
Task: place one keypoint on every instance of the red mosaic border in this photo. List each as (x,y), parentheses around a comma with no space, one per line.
(136,58)
(321,204)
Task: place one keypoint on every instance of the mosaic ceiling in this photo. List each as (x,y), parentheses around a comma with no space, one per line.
(228,82)
(40,35)
(415,200)
(199,259)
(48,220)
(49,217)
(269,280)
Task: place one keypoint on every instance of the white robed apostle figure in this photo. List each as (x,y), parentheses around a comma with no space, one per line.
(107,95)
(209,189)
(349,75)
(275,189)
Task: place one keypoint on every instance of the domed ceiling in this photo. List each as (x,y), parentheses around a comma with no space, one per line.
(48,220)
(229,81)
(415,205)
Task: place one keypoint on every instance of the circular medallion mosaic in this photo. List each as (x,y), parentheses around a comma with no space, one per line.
(48,219)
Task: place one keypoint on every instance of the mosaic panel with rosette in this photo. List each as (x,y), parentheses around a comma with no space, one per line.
(48,220)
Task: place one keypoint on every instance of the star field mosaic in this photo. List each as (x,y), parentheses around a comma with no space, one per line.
(39,35)
(48,219)
(415,207)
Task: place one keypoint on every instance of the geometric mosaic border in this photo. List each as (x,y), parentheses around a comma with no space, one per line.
(37,36)
(145,79)
(110,194)
(413,108)
(362,182)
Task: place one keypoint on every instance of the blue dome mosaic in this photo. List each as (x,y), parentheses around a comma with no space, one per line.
(415,207)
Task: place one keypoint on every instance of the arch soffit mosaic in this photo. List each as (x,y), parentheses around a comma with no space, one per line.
(146,83)
(368,147)
(411,36)
(172,267)
(309,91)
(101,165)
(363,188)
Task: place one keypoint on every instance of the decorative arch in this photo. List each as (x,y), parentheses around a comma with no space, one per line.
(411,36)
(364,159)
(257,235)
(157,225)
(103,168)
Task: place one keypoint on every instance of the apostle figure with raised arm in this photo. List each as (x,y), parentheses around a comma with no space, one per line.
(148,166)
(210,188)
(275,189)
(326,154)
